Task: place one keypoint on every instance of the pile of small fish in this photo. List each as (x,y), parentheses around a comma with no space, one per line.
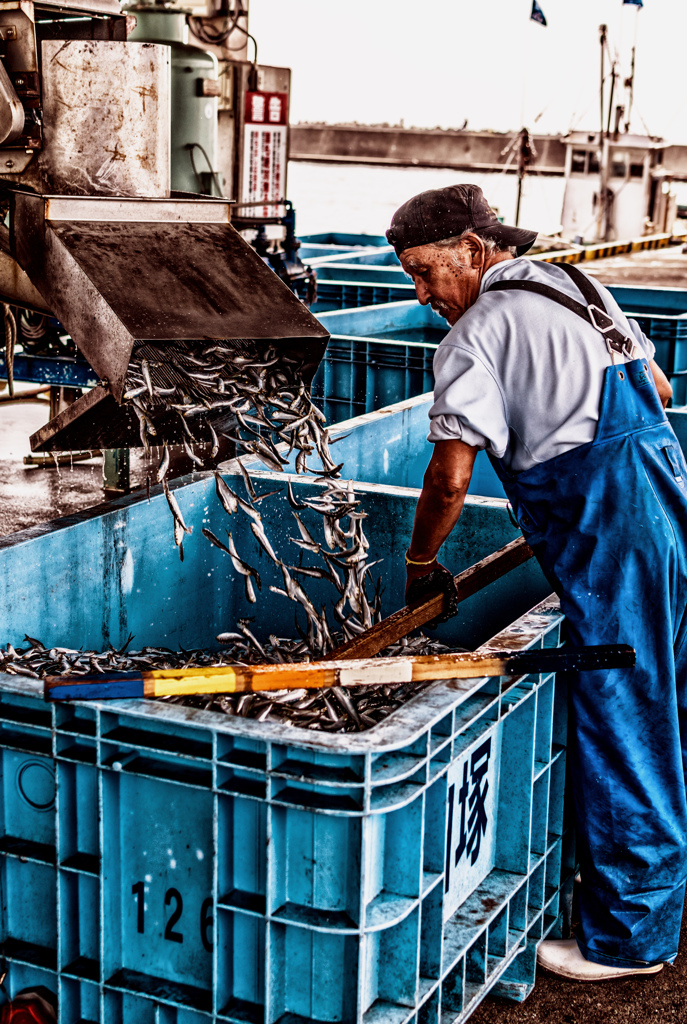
(335,709)
(217,388)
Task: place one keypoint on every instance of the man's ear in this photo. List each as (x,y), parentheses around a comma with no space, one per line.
(475,246)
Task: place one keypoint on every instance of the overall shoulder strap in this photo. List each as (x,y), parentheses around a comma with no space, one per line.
(586,286)
(594,312)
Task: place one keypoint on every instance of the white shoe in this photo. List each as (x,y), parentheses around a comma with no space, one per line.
(563,957)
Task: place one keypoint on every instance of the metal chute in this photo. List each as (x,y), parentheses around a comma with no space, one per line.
(119,273)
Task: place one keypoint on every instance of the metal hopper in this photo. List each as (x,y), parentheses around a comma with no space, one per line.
(120,273)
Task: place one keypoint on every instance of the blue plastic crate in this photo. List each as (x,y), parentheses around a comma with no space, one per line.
(344,239)
(192,867)
(347,284)
(392,317)
(377,355)
(315,253)
(162,864)
(355,272)
(666,301)
(358,375)
(389,446)
(669,335)
(92,578)
(374,255)
(342,294)
(406,321)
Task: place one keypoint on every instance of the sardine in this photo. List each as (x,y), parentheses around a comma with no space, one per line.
(195,459)
(179,538)
(297,505)
(174,506)
(215,441)
(241,566)
(215,540)
(163,467)
(226,495)
(267,458)
(145,370)
(261,536)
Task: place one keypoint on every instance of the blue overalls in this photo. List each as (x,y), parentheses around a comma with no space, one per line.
(608,524)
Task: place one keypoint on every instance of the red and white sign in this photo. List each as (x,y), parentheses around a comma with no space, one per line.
(264,152)
(266,107)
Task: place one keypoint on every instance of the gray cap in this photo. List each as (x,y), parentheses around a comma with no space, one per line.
(445,212)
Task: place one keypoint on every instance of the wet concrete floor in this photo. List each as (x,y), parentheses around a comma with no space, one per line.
(33,494)
(36,494)
(30,494)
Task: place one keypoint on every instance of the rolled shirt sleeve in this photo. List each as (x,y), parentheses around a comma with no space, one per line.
(646,344)
(468,403)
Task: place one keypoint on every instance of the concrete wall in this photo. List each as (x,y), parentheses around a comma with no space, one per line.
(418,147)
(436,147)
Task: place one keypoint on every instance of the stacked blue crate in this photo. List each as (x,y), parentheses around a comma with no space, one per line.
(344,285)
(661,313)
(377,355)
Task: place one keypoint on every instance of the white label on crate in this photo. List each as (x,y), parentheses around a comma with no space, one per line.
(376,671)
(472,791)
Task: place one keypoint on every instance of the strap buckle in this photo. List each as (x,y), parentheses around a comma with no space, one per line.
(600,319)
(605,324)
(626,346)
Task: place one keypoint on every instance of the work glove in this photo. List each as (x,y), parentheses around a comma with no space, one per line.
(439,580)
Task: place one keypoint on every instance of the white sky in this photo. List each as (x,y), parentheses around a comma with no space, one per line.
(436,62)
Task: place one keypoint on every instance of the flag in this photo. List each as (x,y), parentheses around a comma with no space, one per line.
(538,15)
(637,3)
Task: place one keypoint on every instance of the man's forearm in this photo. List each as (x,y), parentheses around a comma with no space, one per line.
(435,516)
(443,494)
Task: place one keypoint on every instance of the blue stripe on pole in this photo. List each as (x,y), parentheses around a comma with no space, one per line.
(538,15)
(101,687)
(637,3)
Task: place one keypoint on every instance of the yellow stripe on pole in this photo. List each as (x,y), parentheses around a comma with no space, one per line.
(168,683)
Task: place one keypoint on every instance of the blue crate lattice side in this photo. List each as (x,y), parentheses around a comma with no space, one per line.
(158,865)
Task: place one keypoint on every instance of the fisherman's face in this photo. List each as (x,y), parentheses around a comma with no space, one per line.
(447,279)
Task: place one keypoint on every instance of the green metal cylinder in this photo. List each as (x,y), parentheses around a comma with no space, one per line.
(193,138)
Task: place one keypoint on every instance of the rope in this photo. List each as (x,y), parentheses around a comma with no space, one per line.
(10,330)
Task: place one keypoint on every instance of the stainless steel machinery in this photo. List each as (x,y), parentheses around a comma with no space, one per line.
(95,233)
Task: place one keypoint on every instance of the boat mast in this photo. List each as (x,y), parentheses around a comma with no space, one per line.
(605,201)
(630,86)
(525,154)
(603,29)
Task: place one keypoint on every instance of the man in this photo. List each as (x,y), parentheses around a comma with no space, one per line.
(543,370)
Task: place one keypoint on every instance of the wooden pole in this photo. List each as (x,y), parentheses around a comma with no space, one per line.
(404,621)
(322,674)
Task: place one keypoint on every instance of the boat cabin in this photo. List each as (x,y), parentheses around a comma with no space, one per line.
(615,187)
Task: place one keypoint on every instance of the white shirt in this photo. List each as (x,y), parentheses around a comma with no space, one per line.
(521,375)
